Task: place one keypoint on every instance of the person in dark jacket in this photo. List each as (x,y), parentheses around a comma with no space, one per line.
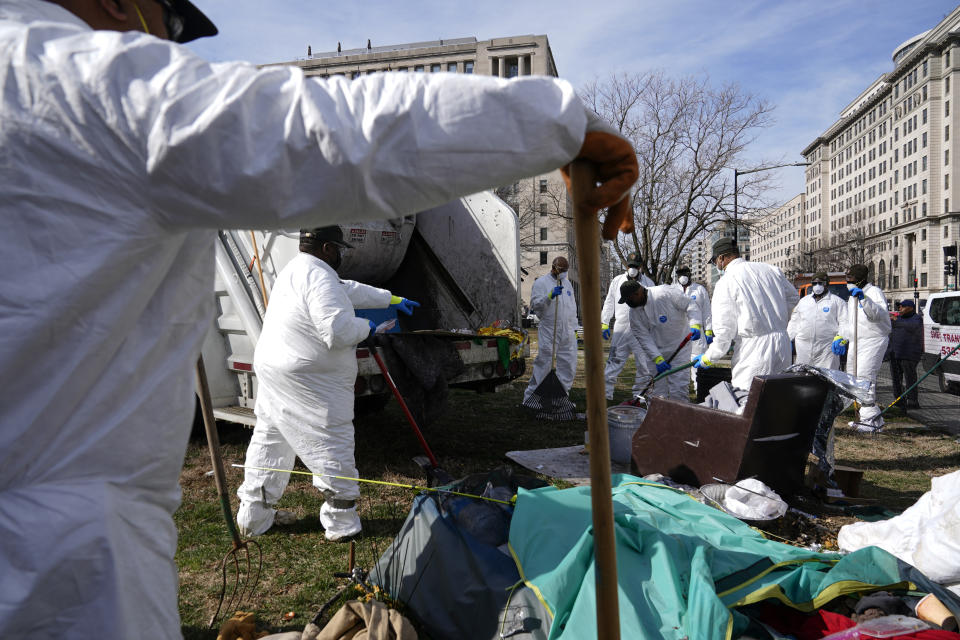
(906,345)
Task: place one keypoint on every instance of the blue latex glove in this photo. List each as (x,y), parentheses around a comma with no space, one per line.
(857,292)
(694,333)
(373,328)
(404,305)
(606,331)
(661,364)
(701,363)
(839,346)
(708,334)
(557,291)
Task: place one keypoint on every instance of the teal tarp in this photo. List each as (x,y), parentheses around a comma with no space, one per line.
(682,566)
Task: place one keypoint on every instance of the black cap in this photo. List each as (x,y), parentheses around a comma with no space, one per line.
(907,302)
(627,289)
(683,270)
(633,260)
(722,246)
(325,234)
(195,23)
(820,276)
(857,273)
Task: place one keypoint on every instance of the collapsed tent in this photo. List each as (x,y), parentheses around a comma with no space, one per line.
(685,570)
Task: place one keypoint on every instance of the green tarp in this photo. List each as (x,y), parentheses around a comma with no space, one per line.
(683,567)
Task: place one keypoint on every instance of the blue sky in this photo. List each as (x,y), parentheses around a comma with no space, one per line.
(809,58)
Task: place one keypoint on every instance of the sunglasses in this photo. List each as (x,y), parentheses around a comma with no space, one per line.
(172,20)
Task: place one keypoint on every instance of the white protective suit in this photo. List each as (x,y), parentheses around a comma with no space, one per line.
(622,342)
(306,366)
(659,327)
(563,309)
(752,303)
(120,155)
(813,326)
(698,293)
(873,334)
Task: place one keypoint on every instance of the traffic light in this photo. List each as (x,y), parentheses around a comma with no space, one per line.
(953,267)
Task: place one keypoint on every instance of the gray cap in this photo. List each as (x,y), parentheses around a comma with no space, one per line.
(722,246)
(820,276)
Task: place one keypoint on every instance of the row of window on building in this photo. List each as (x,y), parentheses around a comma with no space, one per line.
(462,66)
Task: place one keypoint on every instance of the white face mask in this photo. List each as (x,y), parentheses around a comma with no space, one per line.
(851,286)
(563,276)
(633,272)
(817,289)
(683,280)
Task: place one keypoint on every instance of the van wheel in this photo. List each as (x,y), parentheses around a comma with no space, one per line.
(947,386)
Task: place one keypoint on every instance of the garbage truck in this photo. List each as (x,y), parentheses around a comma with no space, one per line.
(460,261)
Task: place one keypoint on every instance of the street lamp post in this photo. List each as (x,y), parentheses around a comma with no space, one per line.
(737,173)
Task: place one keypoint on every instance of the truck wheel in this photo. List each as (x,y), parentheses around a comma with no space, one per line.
(370,404)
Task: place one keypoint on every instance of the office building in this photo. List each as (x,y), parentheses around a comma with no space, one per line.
(882,186)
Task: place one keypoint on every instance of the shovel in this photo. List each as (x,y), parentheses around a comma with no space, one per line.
(673,355)
(435,474)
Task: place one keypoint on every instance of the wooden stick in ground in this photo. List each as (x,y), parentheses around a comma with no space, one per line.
(601,490)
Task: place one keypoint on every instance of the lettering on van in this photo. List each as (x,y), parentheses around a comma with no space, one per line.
(358,235)
(389,237)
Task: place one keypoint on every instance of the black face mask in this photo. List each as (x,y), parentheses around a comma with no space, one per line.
(906,313)
(633,304)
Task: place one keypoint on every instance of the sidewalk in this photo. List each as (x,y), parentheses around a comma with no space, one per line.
(938,410)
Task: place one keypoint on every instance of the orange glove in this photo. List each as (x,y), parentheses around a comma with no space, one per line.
(615,163)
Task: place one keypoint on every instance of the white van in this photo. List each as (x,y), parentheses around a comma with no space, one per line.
(941,333)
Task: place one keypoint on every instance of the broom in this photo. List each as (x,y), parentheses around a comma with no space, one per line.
(549,400)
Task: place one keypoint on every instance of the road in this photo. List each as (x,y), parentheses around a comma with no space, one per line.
(938,410)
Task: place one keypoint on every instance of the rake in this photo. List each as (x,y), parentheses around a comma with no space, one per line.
(550,400)
(240,558)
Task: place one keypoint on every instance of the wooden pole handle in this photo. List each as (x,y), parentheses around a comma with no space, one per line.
(587,230)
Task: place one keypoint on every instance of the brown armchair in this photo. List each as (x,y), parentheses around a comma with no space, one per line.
(770,440)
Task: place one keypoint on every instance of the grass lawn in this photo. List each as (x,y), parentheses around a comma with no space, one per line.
(472,435)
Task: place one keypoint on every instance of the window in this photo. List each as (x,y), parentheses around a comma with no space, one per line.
(946,229)
(946,108)
(543,185)
(924,145)
(946,157)
(946,181)
(924,116)
(452,67)
(923,256)
(543,257)
(468,66)
(418,67)
(543,208)
(435,68)
(946,133)
(923,233)
(923,186)
(543,233)
(923,279)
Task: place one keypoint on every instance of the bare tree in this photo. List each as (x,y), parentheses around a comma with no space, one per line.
(537,207)
(845,249)
(689,136)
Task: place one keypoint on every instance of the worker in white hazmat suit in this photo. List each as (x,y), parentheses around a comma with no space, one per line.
(868,306)
(622,342)
(660,318)
(752,302)
(551,298)
(306,367)
(814,324)
(121,153)
(698,294)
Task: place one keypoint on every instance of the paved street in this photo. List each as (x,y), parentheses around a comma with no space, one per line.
(938,410)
